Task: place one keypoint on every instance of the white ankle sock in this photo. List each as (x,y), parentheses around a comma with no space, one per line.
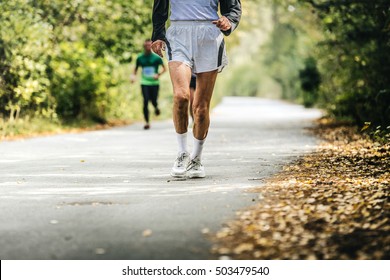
(182,142)
(197,149)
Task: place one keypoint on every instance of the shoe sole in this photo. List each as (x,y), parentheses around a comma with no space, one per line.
(193,176)
(175,175)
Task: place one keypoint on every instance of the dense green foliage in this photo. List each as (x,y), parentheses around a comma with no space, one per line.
(67,59)
(330,53)
(353,54)
(355,58)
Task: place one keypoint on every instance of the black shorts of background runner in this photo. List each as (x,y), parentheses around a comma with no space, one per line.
(193,82)
(150,93)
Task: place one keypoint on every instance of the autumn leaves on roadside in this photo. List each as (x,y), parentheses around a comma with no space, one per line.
(332,204)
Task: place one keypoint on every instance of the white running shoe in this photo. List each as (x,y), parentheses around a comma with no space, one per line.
(179,167)
(195,169)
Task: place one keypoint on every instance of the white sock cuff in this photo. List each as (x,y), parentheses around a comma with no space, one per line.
(198,148)
(181,134)
(182,141)
(199,142)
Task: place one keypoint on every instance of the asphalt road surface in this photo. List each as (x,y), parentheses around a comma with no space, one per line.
(108,194)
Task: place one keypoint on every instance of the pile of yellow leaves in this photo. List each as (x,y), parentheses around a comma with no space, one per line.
(332,204)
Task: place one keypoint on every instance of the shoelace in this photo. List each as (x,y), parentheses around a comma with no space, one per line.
(180,160)
(194,164)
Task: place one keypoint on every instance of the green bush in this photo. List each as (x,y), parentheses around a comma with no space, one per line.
(24,48)
(348,43)
(62,59)
(354,58)
(80,82)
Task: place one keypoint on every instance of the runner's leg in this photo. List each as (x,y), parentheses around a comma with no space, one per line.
(146,96)
(201,105)
(180,76)
(154,97)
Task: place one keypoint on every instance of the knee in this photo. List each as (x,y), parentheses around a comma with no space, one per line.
(181,100)
(200,111)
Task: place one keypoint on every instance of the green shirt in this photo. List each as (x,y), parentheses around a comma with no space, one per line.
(149,64)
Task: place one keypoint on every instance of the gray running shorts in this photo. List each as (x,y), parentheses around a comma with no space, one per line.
(198,44)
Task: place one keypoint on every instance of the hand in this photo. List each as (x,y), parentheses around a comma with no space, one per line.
(223,23)
(132,78)
(158,47)
(156,76)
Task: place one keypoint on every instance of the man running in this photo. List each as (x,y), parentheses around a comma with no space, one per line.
(194,43)
(150,83)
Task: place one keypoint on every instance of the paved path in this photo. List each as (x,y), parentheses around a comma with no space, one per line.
(92,195)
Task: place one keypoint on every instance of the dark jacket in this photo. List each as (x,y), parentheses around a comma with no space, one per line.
(228,8)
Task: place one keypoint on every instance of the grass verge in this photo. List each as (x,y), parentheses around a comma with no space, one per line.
(27,128)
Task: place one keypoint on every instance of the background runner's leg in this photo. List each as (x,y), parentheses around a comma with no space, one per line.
(145,94)
(154,97)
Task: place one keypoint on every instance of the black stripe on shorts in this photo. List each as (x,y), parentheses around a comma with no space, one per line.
(220,52)
(169,50)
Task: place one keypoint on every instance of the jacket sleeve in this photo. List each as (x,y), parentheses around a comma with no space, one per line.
(159,18)
(232,10)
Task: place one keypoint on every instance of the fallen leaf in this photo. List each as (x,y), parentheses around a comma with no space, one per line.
(147,233)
